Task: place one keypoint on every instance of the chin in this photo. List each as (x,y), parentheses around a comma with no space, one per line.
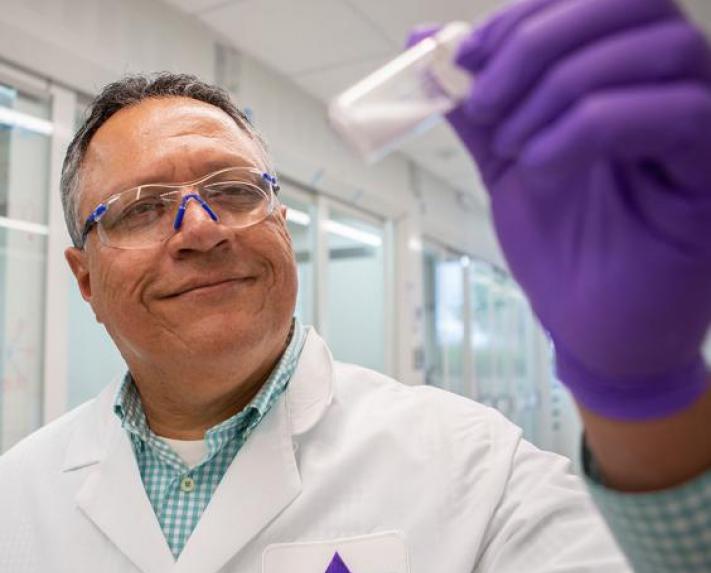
(229,333)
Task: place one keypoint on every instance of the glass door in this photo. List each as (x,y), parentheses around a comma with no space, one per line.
(300,219)
(445,319)
(504,347)
(25,139)
(355,284)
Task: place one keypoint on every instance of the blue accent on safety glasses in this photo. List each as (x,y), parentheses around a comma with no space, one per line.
(184,205)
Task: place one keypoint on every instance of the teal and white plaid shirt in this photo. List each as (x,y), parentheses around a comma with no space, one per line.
(178,494)
(660,532)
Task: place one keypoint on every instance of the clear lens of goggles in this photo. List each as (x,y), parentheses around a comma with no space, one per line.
(149,214)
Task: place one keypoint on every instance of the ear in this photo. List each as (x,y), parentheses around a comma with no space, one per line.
(78,263)
(77,260)
(282,210)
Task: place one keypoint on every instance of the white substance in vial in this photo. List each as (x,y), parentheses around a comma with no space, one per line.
(377,128)
(405,97)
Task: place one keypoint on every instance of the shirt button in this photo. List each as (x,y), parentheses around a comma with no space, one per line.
(187,484)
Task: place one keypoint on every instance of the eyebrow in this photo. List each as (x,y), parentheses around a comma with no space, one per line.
(207,167)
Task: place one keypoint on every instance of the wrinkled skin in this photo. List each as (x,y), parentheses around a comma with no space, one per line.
(202,318)
(590,121)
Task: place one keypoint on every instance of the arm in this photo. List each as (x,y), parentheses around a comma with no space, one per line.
(650,491)
(652,484)
(590,121)
(654,454)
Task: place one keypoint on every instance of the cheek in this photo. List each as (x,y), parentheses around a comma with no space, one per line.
(276,249)
(117,282)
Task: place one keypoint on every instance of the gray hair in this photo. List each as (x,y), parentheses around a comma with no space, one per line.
(128,92)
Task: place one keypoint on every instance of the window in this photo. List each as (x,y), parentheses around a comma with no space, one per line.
(355,319)
(300,219)
(445,316)
(483,341)
(503,347)
(25,130)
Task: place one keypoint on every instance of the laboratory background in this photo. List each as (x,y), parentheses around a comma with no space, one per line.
(399,267)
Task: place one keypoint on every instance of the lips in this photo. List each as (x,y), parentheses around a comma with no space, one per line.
(206,286)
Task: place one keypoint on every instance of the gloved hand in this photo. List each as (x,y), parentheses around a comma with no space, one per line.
(590,121)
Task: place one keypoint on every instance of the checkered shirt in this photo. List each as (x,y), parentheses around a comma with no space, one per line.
(661,531)
(178,494)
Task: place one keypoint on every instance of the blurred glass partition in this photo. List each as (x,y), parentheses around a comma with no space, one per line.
(483,341)
(444,303)
(504,347)
(355,315)
(434,353)
(25,130)
(93,359)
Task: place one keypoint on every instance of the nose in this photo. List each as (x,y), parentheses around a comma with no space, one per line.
(183,206)
(196,227)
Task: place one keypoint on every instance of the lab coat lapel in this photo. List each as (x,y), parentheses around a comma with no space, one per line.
(264,477)
(112,495)
(310,392)
(262,480)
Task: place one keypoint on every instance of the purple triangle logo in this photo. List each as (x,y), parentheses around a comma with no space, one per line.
(337,565)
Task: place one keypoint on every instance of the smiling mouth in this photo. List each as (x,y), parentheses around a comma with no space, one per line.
(214,288)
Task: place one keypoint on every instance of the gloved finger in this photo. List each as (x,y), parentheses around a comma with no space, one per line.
(668,51)
(667,124)
(477,141)
(420,33)
(548,36)
(487,39)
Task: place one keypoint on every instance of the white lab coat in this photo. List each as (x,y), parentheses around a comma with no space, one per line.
(394,478)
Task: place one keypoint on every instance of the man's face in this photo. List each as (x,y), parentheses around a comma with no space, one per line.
(209,292)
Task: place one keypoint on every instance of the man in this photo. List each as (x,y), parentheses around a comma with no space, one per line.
(235,443)
(343,458)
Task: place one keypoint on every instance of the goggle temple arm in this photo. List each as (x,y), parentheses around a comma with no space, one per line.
(272,180)
(92,220)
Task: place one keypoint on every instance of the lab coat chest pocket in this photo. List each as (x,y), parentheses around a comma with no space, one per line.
(376,553)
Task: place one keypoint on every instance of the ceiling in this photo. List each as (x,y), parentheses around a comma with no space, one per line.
(325,46)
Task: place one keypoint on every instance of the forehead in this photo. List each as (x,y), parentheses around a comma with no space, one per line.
(171,139)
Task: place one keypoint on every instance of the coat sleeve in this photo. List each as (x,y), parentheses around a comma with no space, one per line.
(545,520)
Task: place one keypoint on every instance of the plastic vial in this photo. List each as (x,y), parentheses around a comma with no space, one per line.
(405,97)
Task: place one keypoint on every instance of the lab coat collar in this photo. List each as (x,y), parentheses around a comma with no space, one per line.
(264,477)
(310,391)
(112,495)
(308,395)
(94,430)
(260,483)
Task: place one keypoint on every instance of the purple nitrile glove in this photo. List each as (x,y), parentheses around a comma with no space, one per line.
(590,121)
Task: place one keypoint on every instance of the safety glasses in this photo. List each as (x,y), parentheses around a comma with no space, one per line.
(147,215)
